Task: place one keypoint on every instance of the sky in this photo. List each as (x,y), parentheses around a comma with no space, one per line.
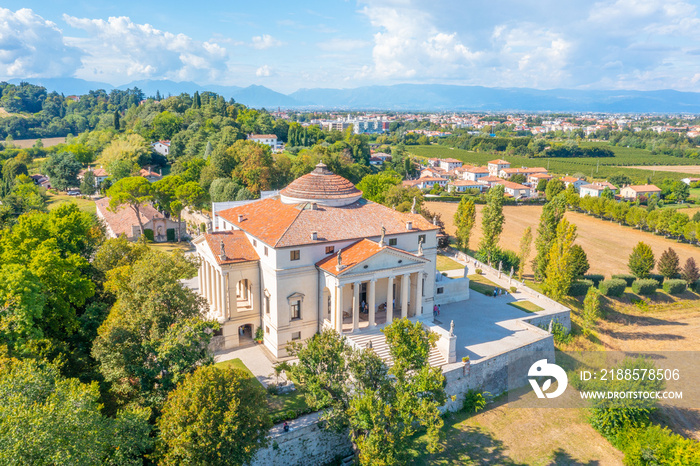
(286,45)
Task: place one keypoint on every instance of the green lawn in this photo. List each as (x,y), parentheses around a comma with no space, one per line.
(170,247)
(278,405)
(482,285)
(86,205)
(526,306)
(444,263)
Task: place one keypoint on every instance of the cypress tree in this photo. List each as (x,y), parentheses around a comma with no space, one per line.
(669,263)
(552,213)
(117,123)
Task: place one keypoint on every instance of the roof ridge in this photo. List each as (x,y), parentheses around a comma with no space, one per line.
(296,217)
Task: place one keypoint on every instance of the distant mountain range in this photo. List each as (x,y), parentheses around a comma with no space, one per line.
(414,97)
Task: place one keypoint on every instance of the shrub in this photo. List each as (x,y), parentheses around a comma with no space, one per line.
(612,287)
(479,272)
(657,444)
(474,401)
(645,286)
(203,227)
(595,278)
(629,279)
(170,234)
(658,277)
(580,287)
(696,286)
(148,233)
(513,289)
(675,286)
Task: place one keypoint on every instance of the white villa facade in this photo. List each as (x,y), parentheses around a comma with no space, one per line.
(316,256)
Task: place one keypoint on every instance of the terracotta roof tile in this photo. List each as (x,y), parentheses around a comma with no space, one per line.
(285,225)
(645,188)
(353,255)
(236,245)
(499,162)
(321,184)
(121,221)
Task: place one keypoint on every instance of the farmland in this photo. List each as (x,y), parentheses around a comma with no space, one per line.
(47,142)
(598,168)
(607,244)
(692,169)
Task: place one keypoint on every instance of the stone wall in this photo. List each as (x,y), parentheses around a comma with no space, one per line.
(453,289)
(496,374)
(305,444)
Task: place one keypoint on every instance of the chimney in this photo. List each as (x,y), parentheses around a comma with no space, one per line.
(240,218)
(314,235)
(409,225)
(314,206)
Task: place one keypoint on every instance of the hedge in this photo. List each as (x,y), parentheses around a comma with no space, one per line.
(627,278)
(695,286)
(645,286)
(658,277)
(595,278)
(674,286)
(170,234)
(580,287)
(612,287)
(148,233)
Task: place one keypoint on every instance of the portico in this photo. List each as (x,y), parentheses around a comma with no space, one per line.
(378,285)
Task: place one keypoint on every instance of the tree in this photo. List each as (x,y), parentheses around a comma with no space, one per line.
(669,264)
(401,197)
(554,187)
(492,219)
(154,334)
(381,406)
(117,123)
(552,213)
(187,195)
(591,310)
(518,178)
(464,219)
(134,192)
(223,189)
(560,272)
(690,272)
(524,253)
(375,187)
(541,186)
(579,261)
(216,416)
(48,419)
(641,260)
(87,185)
(253,164)
(62,168)
(619,180)
(680,191)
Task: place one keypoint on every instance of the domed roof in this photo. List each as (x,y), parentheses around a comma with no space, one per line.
(321,186)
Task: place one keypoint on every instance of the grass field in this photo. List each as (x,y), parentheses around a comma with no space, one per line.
(480,284)
(445,263)
(692,169)
(593,167)
(170,247)
(526,306)
(86,205)
(607,244)
(47,142)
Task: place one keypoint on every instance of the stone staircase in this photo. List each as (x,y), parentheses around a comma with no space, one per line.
(362,339)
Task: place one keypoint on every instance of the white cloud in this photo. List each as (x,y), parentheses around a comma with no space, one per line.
(30,46)
(265,42)
(119,47)
(343,45)
(263,71)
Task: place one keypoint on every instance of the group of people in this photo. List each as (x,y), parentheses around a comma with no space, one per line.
(499,291)
(436,310)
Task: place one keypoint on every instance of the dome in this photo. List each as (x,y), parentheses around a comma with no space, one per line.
(322,187)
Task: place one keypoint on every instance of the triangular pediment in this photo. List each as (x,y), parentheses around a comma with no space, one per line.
(387,258)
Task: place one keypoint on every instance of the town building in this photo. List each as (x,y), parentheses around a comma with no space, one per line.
(162,147)
(316,256)
(100,175)
(510,172)
(474,173)
(596,189)
(634,192)
(449,164)
(516,190)
(577,182)
(124,222)
(460,186)
(150,175)
(495,166)
(535,178)
(266,139)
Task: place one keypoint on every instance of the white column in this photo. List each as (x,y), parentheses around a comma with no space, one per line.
(224,296)
(389,300)
(334,315)
(371,303)
(356,306)
(417,297)
(217,292)
(339,309)
(404,295)
(212,285)
(200,278)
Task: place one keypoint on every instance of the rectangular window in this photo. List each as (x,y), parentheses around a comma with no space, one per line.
(296,310)
(330,249)
(267,304)
(296,336)
(393,241)
(294,255)
(267,329)
(421,237)
(440,290)
(266,250)
(255,243)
